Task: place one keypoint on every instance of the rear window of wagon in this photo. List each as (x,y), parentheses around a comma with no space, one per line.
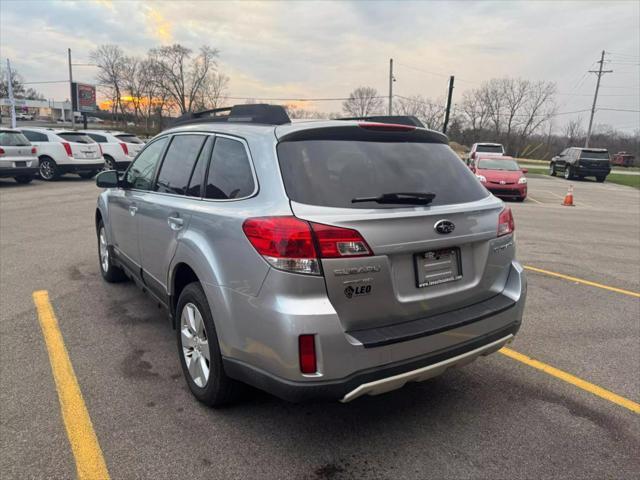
(331,173)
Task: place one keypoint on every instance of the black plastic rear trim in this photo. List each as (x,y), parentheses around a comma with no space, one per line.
(423,327)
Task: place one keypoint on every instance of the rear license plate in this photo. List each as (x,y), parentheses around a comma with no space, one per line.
(437,267)
(21,164)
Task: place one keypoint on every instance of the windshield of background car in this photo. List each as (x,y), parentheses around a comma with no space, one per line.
(489,148)
(13,139)
(594,155)
(490,164)
(331,173)
(130,139)
(75,137)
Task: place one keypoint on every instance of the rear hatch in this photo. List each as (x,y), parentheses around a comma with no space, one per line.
(594,158)
(426,259)
(82,146)
(134,144)
(16,149)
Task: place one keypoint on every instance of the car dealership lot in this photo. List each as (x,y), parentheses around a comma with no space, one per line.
(495,418)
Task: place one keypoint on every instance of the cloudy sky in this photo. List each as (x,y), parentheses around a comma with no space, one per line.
(326,49)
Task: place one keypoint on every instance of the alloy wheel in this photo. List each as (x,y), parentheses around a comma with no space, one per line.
(195,344)
(104,250)
(47,170)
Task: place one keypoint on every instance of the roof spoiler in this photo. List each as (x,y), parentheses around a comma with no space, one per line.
(259,113)
(395,119)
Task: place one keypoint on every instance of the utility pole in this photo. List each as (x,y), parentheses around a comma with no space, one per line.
(391,80)
(12,100)
(73,117)
(448,109)
(598,72)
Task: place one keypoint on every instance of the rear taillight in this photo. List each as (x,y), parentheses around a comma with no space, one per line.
(307,350)
(67,148)
(124,148)
(34,150)
(100,147)
(336,242)
(1,151)
(506,225)
(295,245)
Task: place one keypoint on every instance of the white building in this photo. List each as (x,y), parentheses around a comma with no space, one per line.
(45,109)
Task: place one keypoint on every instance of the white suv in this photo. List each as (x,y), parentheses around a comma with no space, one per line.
(65,151)
(119,148)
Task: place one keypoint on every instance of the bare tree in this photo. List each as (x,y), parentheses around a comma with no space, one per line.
(363,101)
(183,75)
(112,69)
(430,113)
(213,91)
(573,131)
(17,82)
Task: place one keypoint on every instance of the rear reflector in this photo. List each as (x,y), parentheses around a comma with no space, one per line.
(295,245)
(307,348)
(506,225)
(1,151)
(125,149)
(67,149)
(100,147)
(34,150)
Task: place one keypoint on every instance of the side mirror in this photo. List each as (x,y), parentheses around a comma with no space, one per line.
(108,179)
(524,170)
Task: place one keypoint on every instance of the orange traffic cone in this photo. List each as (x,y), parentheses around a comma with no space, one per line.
(568,198)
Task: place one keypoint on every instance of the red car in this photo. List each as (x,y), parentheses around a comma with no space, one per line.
(502,176)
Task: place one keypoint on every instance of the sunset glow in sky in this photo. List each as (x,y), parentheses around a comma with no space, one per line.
(326,49)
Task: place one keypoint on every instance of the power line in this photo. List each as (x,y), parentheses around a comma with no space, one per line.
(618,110)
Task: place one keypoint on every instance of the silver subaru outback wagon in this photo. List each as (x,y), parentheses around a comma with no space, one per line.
(321,259)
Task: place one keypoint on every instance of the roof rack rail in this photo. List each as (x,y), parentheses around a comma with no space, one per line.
(396,119)
(260,113)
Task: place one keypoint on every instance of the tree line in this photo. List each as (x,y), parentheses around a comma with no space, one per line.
(169,80)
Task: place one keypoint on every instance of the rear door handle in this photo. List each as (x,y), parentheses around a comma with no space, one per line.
(175,223)
(132,210)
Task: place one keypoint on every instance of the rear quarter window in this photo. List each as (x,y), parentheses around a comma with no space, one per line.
(333,172)
(13,139)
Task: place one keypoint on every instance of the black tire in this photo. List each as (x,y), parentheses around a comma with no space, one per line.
(48,169)
(88,175)
(600,178)
(552,169)
(23,178)
(109,163)
(219,389)
(568,174)
(111,273)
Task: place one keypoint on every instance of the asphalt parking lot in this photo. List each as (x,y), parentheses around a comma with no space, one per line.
(496,418)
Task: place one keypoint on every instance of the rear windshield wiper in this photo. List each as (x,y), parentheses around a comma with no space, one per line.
(399,198)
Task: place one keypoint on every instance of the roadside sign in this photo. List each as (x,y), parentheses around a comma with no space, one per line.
(83,97)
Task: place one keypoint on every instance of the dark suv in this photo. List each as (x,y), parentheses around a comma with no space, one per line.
(577,162)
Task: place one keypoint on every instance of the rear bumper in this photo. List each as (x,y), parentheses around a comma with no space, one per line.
(16,172)
(376,380)
(370,362)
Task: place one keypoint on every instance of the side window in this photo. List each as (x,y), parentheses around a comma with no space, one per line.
(35,136)
(178,163)
(229,172)
(98,138)
(140,174)
(197,177)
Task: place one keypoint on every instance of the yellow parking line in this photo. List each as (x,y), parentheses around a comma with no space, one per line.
(584,282)
(573,380)
(90,464)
